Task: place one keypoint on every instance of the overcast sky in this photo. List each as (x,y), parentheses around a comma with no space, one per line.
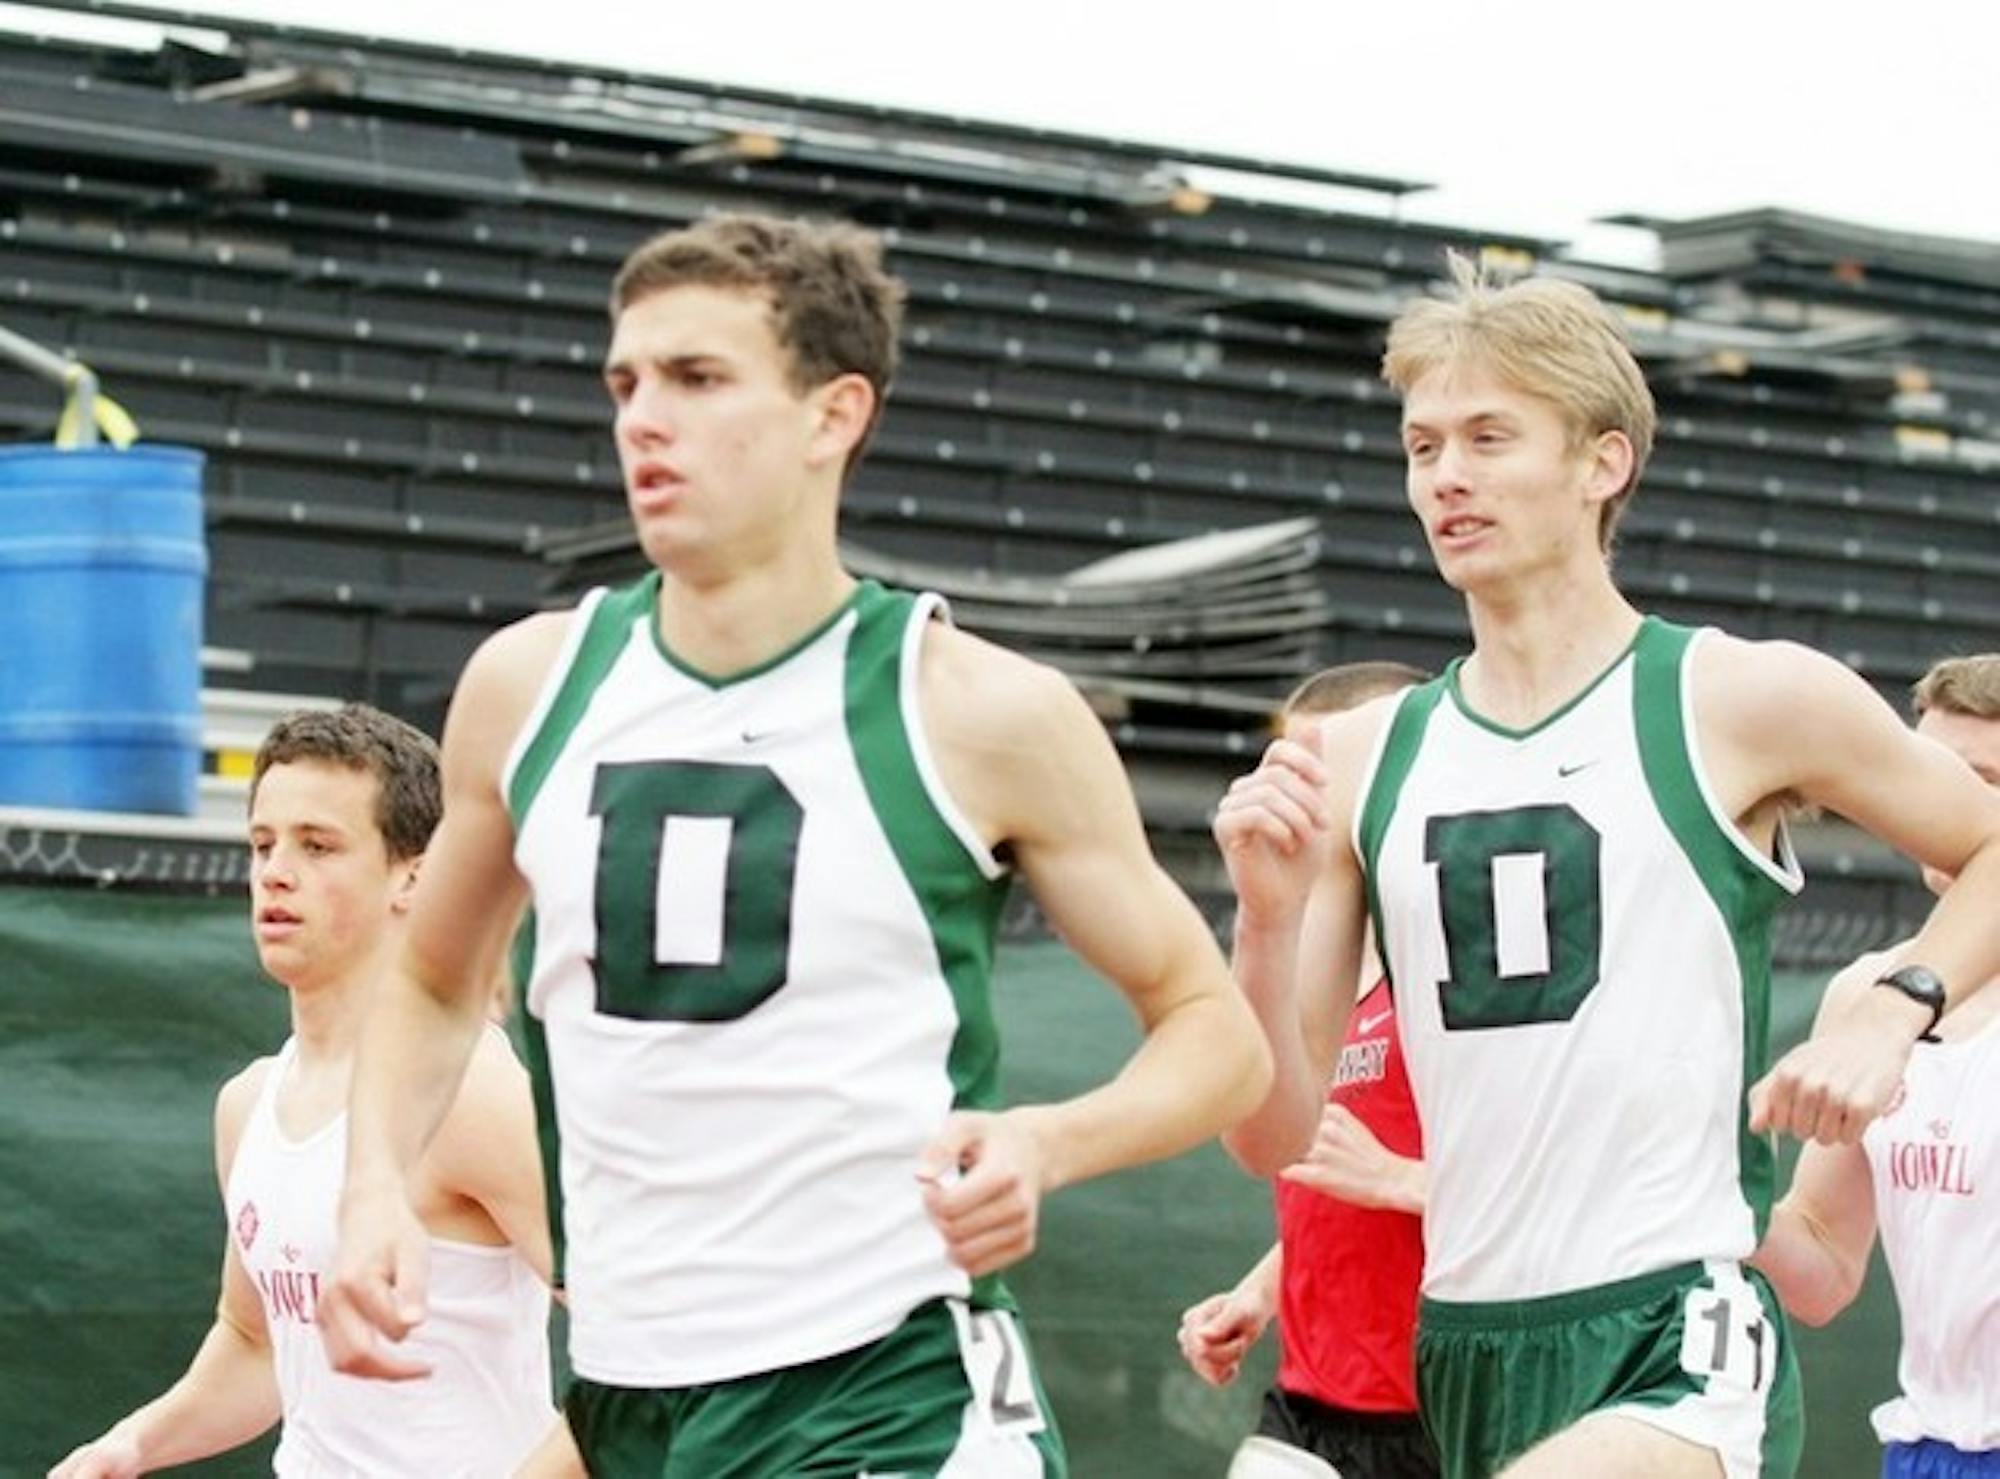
(1536,116)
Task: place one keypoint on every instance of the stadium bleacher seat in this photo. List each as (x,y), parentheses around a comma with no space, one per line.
(368,279)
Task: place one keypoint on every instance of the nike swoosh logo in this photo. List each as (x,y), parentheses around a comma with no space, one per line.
(1369,1024)
(1564,772)
(757,736)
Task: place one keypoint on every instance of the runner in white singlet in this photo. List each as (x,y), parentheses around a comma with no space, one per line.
(1926,1175)
(764,816)
(1571,846)
(342,807)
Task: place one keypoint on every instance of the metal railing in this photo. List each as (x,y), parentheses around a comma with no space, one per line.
(87,411)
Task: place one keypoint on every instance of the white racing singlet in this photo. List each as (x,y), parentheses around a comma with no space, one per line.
(1578,940)
(1935,1157)
(486,1403)
(758,982)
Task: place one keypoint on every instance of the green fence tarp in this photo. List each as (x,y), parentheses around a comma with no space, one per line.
(121,1013)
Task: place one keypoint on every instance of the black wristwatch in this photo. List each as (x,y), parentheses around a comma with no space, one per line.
(1920,984)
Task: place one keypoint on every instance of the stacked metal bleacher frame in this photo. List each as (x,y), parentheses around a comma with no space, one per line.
(367,278)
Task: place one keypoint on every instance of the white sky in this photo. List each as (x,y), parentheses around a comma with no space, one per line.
(1534,116)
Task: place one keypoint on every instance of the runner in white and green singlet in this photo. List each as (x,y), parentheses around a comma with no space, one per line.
(1571,845)
(763,815)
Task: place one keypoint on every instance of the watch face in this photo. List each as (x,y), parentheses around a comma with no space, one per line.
(1923,987)
(1918,982)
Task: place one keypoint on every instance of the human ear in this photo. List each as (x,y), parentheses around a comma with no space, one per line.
(844,408)
(1612,462)
(406,885)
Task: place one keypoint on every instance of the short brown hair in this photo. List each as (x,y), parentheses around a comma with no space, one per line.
(1548,338)
(1960,685)
(403,760)
(1348,685)
(835,310)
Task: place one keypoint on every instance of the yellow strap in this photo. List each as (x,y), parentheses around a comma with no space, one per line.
(114,422)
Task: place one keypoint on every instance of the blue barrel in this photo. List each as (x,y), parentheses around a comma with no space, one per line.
(102,560)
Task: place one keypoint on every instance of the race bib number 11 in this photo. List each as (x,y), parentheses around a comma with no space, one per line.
(1725,1337)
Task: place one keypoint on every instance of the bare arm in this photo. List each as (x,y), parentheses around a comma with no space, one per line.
(1347,1161)
(1202,1064)
(1032,766)
(486,1152)
(1914,794)
(1301,921)
(1782,721)
(1216,1334)
(425,1022)
(1815,1251)
(229,1392)
(1262,1280)
(1324,987)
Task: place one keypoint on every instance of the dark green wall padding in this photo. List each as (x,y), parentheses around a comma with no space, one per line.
(121,1013)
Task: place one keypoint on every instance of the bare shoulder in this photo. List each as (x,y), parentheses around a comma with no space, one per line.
(1348,739)
(1017,748)
(513,663)
(233,1103)
(1741,679)
(971,685)
(494,1078)
(542,631)
(494,1101)
(1780,721)
(497,692)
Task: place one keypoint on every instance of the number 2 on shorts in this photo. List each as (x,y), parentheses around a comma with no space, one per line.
(996,1363)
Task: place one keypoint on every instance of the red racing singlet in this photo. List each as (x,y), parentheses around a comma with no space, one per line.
(1347,1309)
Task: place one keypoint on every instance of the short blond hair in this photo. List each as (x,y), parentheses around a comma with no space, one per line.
(1350,684)
(1960,685)
(1547,338)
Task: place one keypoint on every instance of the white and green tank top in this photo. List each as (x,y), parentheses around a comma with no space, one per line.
(1579,941)
(756,982)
